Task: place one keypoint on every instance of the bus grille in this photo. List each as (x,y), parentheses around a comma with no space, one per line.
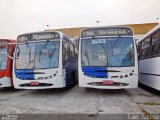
(40,85)
(114,84)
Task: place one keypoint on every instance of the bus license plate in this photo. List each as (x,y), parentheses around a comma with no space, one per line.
(107,82)
(34,83)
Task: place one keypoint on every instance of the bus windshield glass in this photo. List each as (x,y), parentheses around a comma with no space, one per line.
(3,58)
(109,52)
(37,55)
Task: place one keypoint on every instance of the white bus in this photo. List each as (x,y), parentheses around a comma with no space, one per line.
(108,58)
(149,58)
(44,60)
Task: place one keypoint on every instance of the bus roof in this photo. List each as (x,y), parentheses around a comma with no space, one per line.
(107,27)
(8,40)
(38,32)
(68,39)
(149,33)
(112,30)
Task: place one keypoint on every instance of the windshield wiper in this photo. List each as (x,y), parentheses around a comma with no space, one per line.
(29,64)
(29,54)
(86,52)
(113,47)
(105,51)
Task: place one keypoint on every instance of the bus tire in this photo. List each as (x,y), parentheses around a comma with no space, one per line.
(73,81)
(8,88)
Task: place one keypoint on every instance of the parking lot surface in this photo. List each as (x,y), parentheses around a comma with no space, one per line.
(80,101)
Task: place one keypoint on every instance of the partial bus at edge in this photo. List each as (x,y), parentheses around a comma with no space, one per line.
(108,58)
(6,50)
(44,60)
(149,58)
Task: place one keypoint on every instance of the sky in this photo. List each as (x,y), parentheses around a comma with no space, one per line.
(23,16)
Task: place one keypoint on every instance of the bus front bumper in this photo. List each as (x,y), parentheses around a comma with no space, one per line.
(57,82)
(5,82)
(126,83)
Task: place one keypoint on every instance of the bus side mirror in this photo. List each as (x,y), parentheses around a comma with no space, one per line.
(17,54)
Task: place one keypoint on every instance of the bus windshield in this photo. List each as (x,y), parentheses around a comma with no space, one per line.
(3,58)
(109,52)
(37,55)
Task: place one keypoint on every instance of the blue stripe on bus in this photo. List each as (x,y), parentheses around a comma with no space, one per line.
(25,74)
(96,72)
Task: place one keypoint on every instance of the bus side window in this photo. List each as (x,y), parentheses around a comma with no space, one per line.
(75,57)
(64,53)
(156,43)
(72,51)
(139,49)
(68,51)
(145,48)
